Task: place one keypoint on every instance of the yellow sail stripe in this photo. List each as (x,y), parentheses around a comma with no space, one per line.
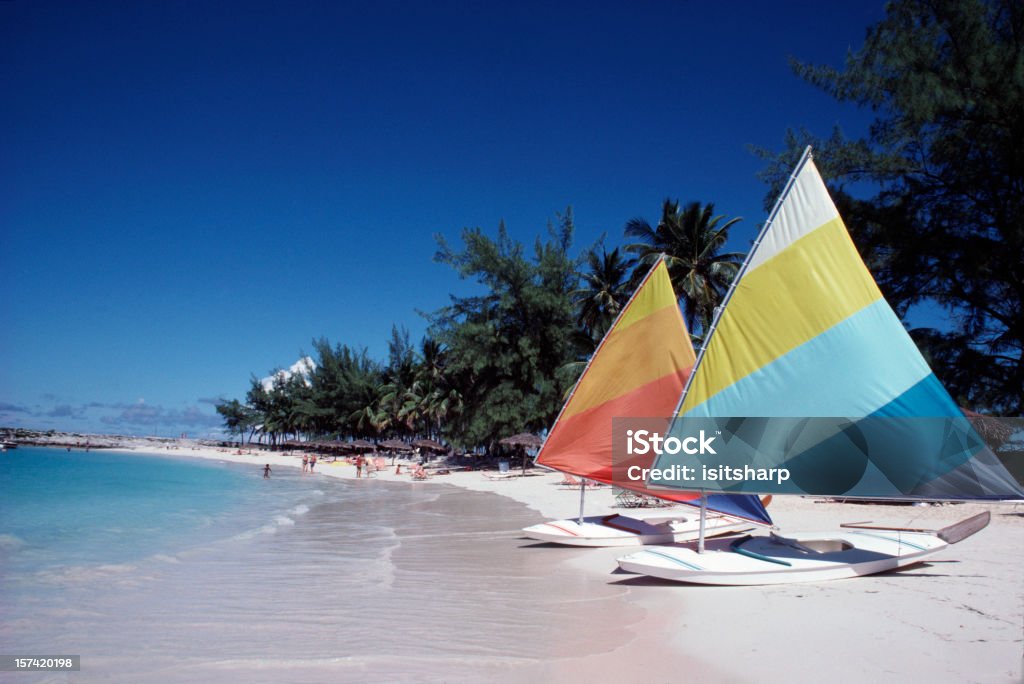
(655,293)
(788,303)
(627,349)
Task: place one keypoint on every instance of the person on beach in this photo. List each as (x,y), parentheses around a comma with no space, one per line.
(266,471)
(359,465)
(305,463)
(312,462)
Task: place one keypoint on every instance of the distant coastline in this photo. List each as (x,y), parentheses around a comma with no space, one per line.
(81,440)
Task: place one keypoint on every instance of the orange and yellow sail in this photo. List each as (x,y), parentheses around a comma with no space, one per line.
(638,371)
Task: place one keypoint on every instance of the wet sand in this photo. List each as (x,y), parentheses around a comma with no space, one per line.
(566,614)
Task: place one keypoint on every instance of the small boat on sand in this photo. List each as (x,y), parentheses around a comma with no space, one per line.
(804,335)
(638,371)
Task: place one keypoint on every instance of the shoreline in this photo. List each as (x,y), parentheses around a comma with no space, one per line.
(957,618)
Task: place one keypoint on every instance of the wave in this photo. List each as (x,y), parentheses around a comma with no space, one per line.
(164,558)
(87,573)
(279,522)
(9,542)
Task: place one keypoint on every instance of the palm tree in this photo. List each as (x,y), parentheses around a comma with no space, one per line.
(691,238)
(432,399)
(605,290)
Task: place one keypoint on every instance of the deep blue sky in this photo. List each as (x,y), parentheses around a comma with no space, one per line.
(193,191)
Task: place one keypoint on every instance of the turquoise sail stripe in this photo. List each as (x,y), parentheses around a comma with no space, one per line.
(972,471)
(853,369)
(926,398)
(787,417)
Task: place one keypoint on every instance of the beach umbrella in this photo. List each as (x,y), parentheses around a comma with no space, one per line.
(430,445)
(394,445)
(326,446)
(994,431)
(523,440)
(360,445)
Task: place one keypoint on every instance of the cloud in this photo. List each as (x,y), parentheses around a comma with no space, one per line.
(150,415)
(303,368)
(136,417)
(212,401)
(66,411)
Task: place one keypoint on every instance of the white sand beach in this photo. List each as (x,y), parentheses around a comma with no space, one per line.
(957,618)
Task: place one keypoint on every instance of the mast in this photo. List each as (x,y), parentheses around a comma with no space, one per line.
(583,492)
(804,158)
(703,520)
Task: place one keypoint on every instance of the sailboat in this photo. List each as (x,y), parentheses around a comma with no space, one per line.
(805,336)
(638,370)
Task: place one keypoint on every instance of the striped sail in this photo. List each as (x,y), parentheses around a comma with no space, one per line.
(638,371)
(807,333)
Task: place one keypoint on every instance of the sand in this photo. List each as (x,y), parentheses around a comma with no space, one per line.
(957,618)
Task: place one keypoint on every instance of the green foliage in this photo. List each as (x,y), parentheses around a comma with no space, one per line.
(238,417)
(492,366)
(691,238)
(505,347)
(945,156)
(344,382)
(605,289)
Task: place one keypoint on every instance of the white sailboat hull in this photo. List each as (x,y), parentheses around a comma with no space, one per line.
(620,530)
(802,557)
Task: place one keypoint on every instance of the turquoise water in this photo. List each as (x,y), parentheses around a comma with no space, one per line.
(157,569)
(64,509)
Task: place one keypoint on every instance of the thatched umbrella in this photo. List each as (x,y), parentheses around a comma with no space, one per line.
(394,446)
(334,447)
(525,440)
(994,431)
(360,445)
(430,445)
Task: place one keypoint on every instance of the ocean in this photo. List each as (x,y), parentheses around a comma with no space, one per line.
(170,569)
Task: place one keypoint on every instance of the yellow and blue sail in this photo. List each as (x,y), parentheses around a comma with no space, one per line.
(806,333)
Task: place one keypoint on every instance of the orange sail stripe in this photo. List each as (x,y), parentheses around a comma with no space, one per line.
(606,381)
(583,443)
(638,371)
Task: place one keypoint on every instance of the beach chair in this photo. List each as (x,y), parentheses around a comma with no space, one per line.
(569,481)
(627,499)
